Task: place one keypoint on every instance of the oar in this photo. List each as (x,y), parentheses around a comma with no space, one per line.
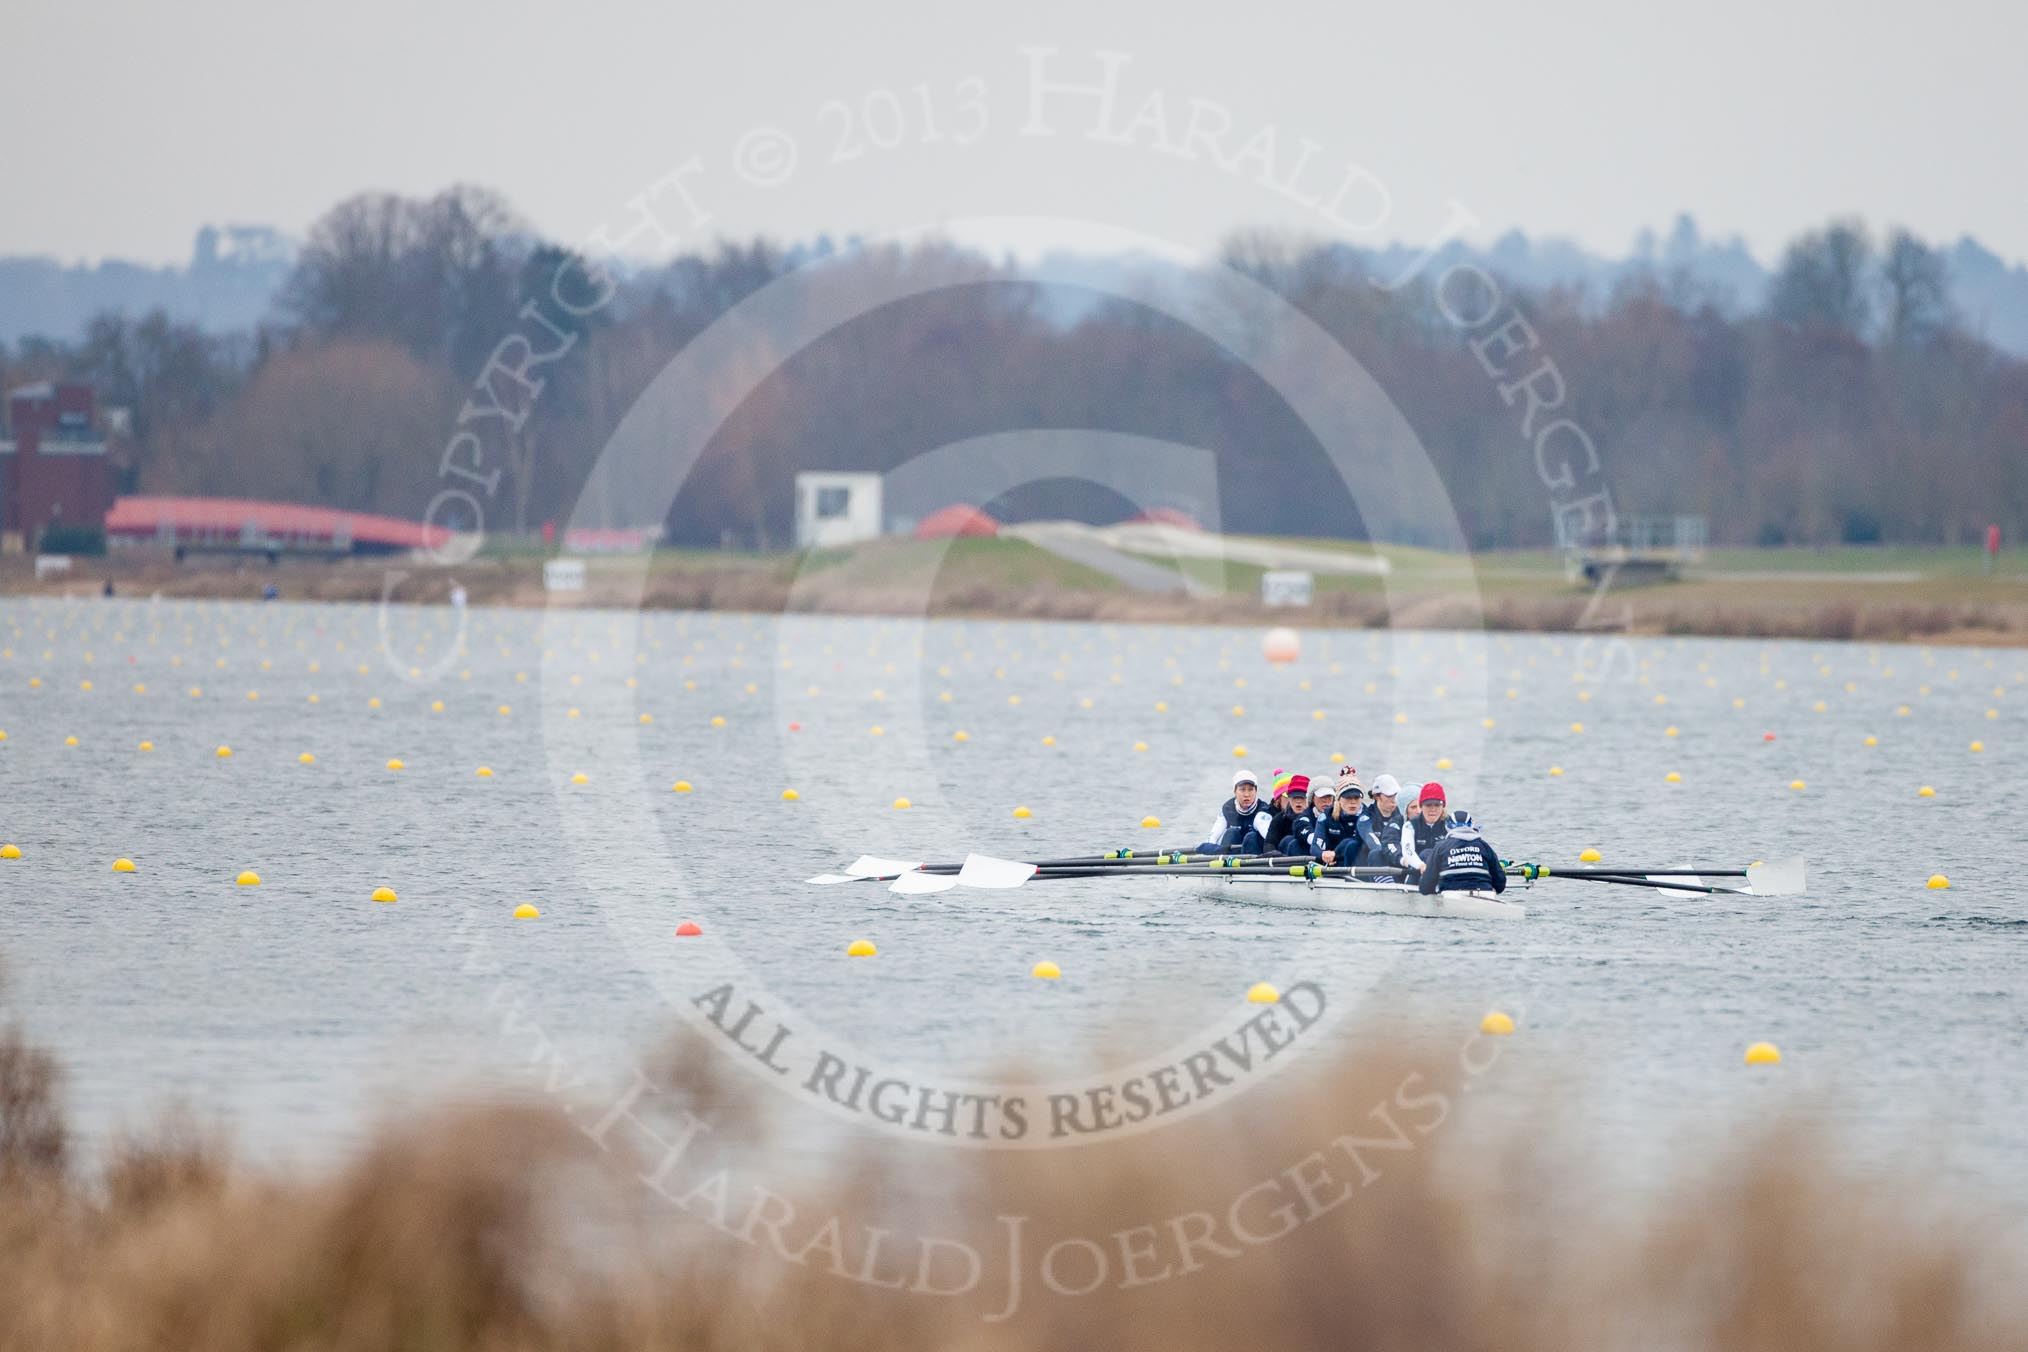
(1782,878)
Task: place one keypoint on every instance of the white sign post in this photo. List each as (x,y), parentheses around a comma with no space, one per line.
(1286,588)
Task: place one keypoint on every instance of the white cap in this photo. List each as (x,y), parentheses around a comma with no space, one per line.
(1324,785)
(1244,777)
(1388,785)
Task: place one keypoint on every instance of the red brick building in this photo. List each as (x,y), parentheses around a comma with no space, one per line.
(53,466)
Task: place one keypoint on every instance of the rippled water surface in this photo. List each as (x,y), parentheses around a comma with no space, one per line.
(298,1007)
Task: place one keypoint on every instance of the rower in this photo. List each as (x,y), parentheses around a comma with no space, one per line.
(1462,861)
(1242,825)
(1426,825)
(1334,840)
(1379,825)
(1290,831)
(1323,797)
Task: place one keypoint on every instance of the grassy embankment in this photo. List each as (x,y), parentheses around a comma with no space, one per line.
(1930,595)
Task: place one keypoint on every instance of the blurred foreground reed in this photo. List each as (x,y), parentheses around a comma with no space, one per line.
(1335,1207)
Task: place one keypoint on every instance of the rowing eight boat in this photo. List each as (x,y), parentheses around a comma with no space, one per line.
(1361,896)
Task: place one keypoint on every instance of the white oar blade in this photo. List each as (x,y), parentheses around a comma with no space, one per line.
(868,866)
(1782,878)
(827,879)
(982,870)
(1669,891)
(912,882)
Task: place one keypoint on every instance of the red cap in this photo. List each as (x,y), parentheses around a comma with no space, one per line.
(1300,784)
(1432,792)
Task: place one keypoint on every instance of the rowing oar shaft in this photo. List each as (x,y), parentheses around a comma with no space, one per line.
(1545,871)
(1148,860)
(1625,881)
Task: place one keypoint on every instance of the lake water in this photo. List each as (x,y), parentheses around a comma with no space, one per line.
(298,1008)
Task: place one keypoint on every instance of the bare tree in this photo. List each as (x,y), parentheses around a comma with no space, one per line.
(1822,280)
(1915,290)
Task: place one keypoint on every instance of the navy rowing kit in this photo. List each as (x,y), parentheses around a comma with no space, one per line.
(1462,861)
(1419,837)
(1340,835)
(1379,837)
(1245,832)
(1295,837)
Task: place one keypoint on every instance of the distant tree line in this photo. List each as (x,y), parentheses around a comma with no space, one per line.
(1851,408)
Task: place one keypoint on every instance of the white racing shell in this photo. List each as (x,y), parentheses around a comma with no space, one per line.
(1362,896)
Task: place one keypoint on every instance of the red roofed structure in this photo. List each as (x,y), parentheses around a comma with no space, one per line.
(1166,516)
(958,519)
(273,528)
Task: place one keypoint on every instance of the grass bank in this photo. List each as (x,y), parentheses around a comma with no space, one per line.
(1941,596)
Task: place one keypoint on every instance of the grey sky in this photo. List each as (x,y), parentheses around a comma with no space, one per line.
(129,125)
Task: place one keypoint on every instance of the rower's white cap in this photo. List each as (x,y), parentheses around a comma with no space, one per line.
(1322,784)
(1244,777)
(1388,785)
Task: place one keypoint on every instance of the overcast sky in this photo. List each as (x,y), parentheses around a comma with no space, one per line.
(127,126)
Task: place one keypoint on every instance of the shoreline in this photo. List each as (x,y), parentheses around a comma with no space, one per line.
(1802,605)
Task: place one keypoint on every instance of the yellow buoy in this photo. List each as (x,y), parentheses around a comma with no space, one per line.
(436,706)
(1239,751)
(123,866)
(396,764)
(72,741)
(961,736)
(1140,746)
(580,778)
(484,772)
(1589,856)
(1672,778)
(526,911)
(1797,785)
(1763,1054)
(1978,746)
(505,710)
(1023,813)
(223,753)
(383,894)
(1577,727)
(147,746)
(1443,763)
(900,803)
(1872,741)
(1925,792)
(1263,993)
(1049,741)
(1046,970)
(788,795)
(373,703)
(249,879)
(1670,732)
(861,948)
(1938,883)
(1497,1023)
(1555,771)
(10,851)
(877,731)
(1150,823)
